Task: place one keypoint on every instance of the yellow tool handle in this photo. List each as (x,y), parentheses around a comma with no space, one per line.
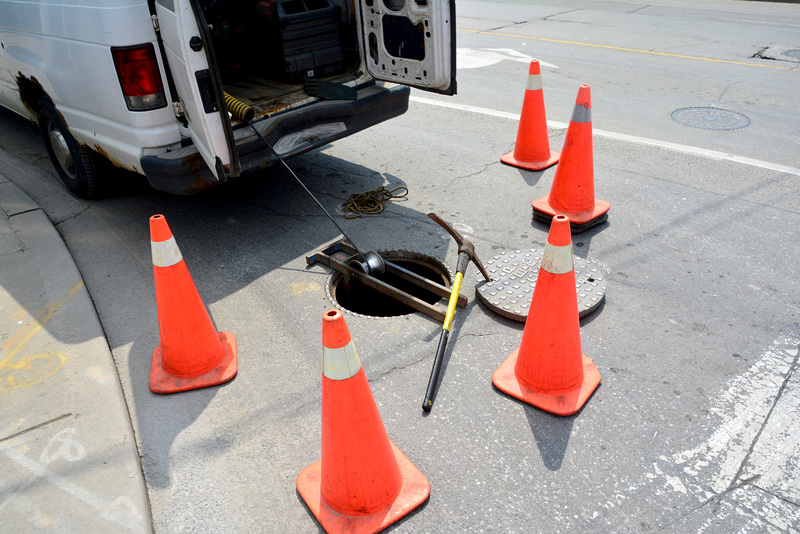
(451,306)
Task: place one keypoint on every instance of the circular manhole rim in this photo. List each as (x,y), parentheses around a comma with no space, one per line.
(394,256)
(736,120)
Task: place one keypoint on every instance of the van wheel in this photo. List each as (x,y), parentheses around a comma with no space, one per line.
(74,163)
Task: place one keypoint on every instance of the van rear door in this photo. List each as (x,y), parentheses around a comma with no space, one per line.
(187,46)
(411,42)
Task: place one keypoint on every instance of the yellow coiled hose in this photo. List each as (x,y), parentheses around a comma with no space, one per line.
(238,109)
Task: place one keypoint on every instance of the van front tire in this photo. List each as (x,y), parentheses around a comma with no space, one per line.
(74,163)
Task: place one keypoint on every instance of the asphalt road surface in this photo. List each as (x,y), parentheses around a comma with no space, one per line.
(694,427)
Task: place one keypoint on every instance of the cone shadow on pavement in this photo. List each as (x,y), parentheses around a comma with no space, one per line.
(551,434)
(572,191)
(532,149)
(548,370)
(192,354)
(363,482)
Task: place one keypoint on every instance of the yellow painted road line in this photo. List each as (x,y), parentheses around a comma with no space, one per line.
(609,47)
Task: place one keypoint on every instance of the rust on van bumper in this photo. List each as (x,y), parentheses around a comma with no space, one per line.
(293,132)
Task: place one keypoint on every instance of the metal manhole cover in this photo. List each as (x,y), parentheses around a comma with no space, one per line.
(710,118)
(795,53)
(514,277)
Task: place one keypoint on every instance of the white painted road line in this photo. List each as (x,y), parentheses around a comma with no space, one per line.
(714,154)
(748,466)
(471,58)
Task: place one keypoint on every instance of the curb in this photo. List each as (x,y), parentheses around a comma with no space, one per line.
(69,457)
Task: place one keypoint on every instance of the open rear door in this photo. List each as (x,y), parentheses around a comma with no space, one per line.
(411,42)
(187,47)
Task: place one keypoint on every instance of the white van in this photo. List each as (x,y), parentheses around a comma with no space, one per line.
(144,83)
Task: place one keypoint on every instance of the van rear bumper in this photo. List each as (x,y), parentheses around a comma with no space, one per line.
(292,132)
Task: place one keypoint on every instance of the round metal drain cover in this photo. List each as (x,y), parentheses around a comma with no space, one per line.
(795,53)
(514,277)
(710,118)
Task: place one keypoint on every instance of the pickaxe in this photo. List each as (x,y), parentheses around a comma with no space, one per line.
(466,253)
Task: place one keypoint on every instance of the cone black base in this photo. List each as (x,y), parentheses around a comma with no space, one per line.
(575,228)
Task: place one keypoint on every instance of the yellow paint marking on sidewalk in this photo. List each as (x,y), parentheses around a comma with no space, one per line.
(23,372)
(46,317)
(609,47)
(18,317)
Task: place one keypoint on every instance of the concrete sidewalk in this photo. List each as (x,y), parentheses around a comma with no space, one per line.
(68,458)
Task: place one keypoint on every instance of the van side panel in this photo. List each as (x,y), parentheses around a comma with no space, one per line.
(64,49)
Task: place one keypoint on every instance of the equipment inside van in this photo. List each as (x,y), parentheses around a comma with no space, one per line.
(144,83)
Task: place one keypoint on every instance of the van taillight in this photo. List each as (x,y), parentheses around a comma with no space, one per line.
(139,78)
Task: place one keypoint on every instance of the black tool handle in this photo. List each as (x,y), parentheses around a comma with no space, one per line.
(427,404)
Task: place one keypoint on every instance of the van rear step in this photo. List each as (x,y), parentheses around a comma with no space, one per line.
(291,133)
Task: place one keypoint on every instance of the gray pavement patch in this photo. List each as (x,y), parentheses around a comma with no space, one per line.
(779,53)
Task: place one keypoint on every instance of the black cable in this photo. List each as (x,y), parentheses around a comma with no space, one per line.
(307,189)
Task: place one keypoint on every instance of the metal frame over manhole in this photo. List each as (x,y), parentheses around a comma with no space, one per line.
(710,118)
(412,282)
(514,275)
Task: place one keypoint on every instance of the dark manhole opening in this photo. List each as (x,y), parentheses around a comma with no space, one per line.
(355,297)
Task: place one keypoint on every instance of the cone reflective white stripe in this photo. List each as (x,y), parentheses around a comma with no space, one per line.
(341,363)
(165,253)
(582,113)
(534,82)
(557,260)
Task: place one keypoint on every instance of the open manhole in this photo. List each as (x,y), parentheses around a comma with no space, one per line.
(710,118)
(355,297)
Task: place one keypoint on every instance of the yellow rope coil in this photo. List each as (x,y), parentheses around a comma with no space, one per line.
(371,202)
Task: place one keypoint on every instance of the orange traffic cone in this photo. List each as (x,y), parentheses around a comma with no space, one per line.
(572,192)
(548,369)
(532,151)
(363,483)
(192,353)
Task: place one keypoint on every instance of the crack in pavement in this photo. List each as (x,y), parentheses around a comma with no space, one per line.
(35,427)
(764,423)
(728,87)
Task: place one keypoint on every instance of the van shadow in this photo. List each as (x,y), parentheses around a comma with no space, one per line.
(231,237)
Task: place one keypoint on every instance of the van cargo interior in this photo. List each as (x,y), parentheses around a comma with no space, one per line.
(265,48)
